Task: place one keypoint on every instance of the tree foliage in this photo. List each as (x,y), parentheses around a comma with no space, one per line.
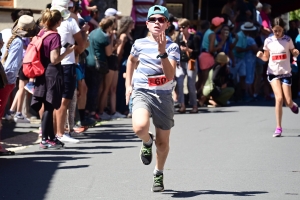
(295,14)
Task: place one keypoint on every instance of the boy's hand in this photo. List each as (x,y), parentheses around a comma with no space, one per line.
(161,41)
(128,93)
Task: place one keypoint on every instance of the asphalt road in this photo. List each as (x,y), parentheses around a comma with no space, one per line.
(220,153)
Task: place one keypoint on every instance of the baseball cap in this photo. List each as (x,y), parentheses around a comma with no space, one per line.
(112,12)
(71,4)
(62,3)
(217,21)
(158,9)
(62,7)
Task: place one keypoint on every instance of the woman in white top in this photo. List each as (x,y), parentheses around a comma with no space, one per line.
(276,51)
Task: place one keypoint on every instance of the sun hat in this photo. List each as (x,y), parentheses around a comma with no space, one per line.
(25,26)
(157,9)
(248,26)
(222,58)
(217,21)
(62,7)
(112,12)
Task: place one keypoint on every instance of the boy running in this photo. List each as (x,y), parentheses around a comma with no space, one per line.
(151,89)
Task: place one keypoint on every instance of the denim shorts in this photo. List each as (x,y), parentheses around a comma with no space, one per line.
(87,18)
(287,80)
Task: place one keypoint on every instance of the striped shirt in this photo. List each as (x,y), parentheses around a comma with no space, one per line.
(142,7)
(146,50)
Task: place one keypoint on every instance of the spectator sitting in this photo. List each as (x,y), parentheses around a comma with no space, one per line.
(210,47)
(216,84)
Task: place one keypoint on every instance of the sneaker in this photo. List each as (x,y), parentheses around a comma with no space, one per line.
(158,183)
(67,138)
(29,87)
(117,115)
(79,129)
(10,115)
(56,140)
(88,122)
(105,116)
(50,144)
(277,132)
(146,153)
(295,108)
(95,117)
(19,118)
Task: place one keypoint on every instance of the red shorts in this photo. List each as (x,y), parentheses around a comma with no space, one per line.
(4,95)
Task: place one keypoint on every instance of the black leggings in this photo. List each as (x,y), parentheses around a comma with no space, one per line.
(47,122)
(47,119)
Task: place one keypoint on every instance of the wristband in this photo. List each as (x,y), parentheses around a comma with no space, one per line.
(165,55)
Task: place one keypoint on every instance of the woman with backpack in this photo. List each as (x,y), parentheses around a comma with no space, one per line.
(189,51)
(48,87)
(12,61)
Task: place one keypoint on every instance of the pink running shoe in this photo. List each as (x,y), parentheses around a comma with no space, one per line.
(277,132)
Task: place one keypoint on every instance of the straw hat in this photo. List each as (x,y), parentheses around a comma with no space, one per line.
(25,26)
(222,58)
(248,26)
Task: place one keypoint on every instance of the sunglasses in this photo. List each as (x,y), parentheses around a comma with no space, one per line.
(183,27)
(159,19)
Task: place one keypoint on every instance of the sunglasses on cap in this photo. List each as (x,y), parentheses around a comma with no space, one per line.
(159,19)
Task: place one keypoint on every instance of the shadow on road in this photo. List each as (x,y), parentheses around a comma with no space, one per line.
(30,177)
(186,194)
(100,147)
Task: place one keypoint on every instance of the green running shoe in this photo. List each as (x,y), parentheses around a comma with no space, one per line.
(158,183)
(146,153)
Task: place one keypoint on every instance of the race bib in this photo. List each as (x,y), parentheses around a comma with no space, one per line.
(279,57)
(157,80)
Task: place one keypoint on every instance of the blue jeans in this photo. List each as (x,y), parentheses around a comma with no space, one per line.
(181,72)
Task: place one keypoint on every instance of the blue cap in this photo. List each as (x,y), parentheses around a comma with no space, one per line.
(157,9)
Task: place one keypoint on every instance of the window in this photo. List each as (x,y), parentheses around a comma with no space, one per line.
(7,3)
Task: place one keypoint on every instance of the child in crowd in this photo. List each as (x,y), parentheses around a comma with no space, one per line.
(86,8)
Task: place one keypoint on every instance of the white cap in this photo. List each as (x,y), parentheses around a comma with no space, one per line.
(112,12)
(62,3)
(71,4)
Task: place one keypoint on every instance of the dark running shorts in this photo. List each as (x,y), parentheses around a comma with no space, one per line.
(69,80)
(22,75)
